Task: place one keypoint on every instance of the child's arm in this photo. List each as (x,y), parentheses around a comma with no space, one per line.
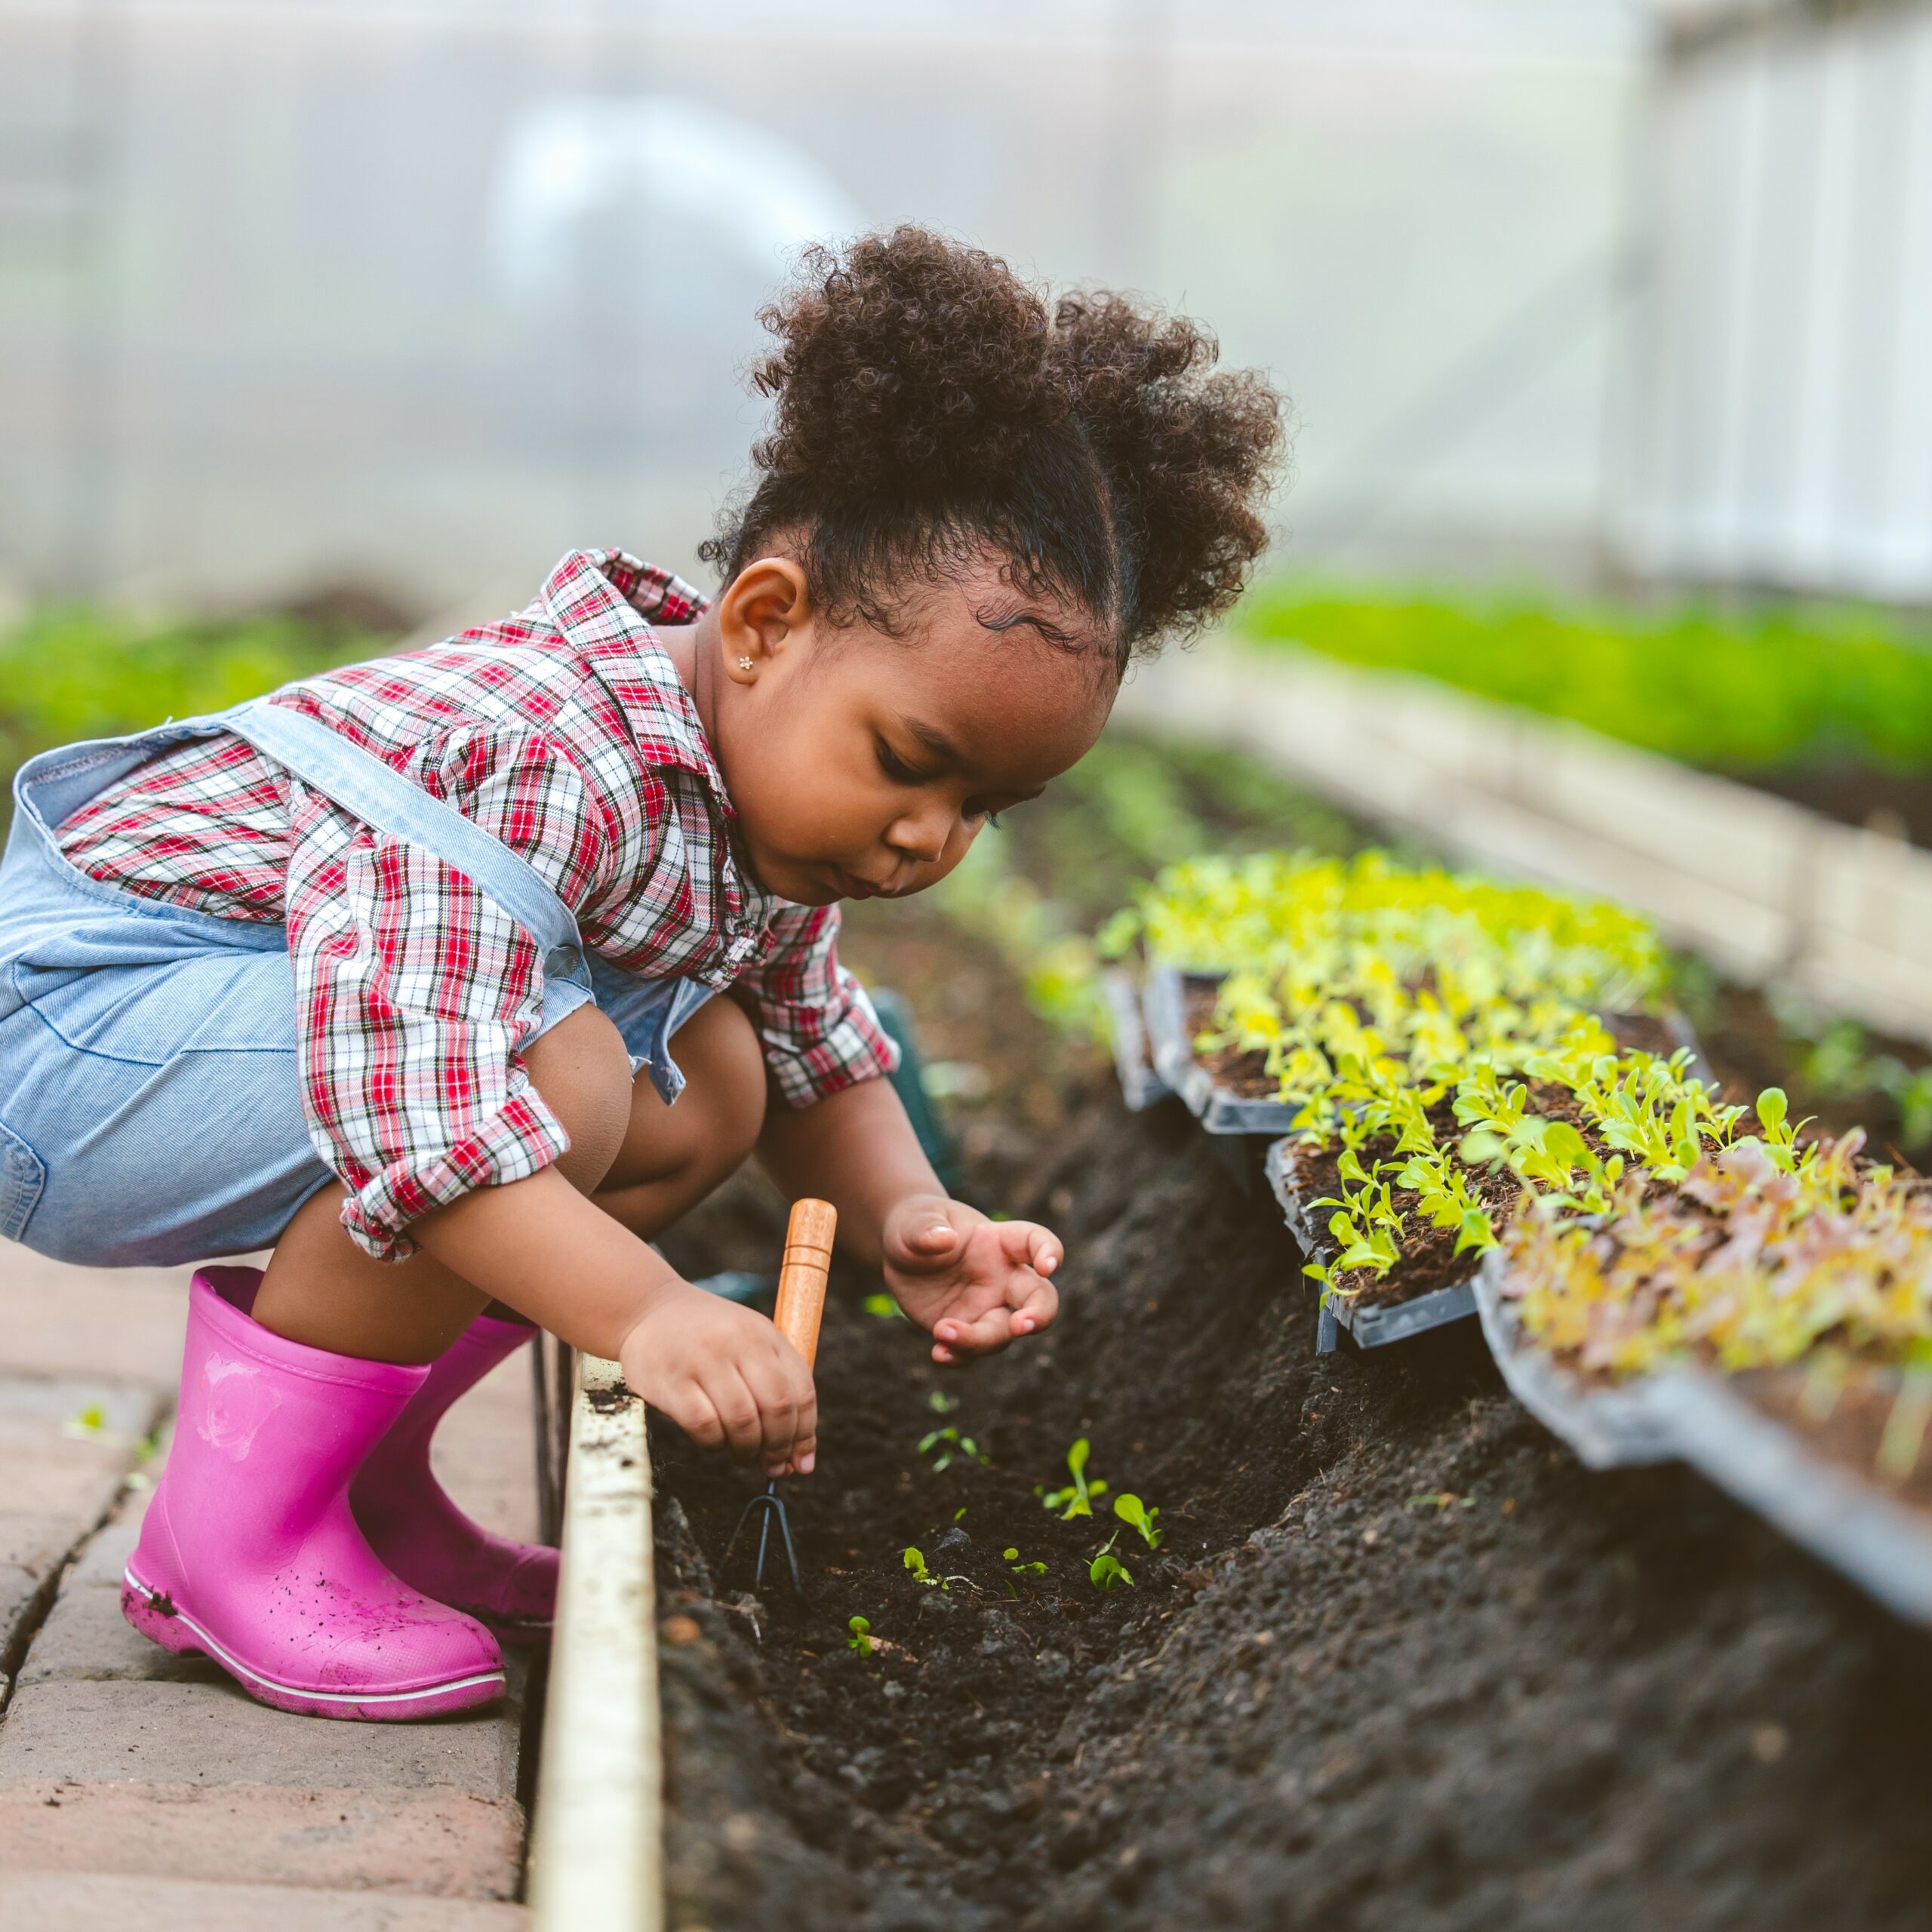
(724,1374)
(976,1283)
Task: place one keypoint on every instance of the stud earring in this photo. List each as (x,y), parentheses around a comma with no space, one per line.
(744,663)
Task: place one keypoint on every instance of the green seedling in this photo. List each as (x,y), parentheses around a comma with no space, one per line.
(1108,1572)
(952,1446)
(884,1307)
(1131,1510)
(1077,1499)
(914,1560)
(860,1639)
(1019,1569)
(941,1404)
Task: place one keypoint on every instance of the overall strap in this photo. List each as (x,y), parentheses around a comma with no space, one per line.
(360,782)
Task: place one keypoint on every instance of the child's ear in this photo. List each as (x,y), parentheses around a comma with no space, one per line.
(767,604)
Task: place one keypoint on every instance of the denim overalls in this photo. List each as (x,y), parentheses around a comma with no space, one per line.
(150,1096)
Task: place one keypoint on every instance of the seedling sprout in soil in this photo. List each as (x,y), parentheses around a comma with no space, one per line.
(1132,1511)
(1077,1499)
(952,1446)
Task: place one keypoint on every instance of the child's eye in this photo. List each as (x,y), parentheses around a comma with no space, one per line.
(895,767)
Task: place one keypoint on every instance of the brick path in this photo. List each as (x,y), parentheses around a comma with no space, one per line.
(140,1788)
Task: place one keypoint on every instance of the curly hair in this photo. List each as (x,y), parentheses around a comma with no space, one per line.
(930,404)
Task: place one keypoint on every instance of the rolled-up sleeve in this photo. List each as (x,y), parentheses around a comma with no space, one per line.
(817,1028)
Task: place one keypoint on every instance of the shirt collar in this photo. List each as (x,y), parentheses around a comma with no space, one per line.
(604,601)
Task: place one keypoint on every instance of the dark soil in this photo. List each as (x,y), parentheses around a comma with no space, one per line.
(1400,1664)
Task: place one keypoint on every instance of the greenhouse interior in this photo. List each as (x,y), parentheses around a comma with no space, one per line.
(1330,1327)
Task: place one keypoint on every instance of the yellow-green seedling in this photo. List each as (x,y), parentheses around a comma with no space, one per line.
(1077,1499)
(91,1420)
(1132,1511)
(884,1307)
(1108,1572)
(1011,1558)
(860,1640)
(914,1560)
(952,1446)
(941,1404)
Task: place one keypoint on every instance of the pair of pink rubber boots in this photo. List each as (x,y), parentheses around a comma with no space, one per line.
(298,1538)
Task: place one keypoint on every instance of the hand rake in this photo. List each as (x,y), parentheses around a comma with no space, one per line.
(801,1278)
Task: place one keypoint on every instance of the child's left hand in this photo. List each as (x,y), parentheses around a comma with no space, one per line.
(977,1283)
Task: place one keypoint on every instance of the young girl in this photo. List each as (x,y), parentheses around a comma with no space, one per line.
(409,971)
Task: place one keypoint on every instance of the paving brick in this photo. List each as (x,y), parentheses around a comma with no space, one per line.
(120,1324)
(85,1636)
(127,1409)
(19,1589)
(441,1843)
(73,1902)
(212,1734)
(107,1551)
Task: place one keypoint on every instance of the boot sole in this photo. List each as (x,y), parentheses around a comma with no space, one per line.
(154,1613)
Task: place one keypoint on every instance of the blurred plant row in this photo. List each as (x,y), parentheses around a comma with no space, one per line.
(84,671)
(1771,690)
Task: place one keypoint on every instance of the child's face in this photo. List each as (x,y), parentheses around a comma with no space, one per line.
(863,765)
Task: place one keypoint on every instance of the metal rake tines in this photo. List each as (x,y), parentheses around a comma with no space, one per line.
(770,1506)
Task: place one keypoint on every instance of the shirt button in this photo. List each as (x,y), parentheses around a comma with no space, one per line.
(561,961)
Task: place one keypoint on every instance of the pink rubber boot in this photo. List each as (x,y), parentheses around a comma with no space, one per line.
(249,1553)
(510,1587)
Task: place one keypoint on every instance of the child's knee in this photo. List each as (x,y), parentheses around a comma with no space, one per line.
(582,1070)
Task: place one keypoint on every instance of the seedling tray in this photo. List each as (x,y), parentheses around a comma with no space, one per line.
(1883,1546)
(1608,1428)
(1371,1327)
(1171,1043)
(1140,1086)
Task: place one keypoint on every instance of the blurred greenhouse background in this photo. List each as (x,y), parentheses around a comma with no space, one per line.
(297,293)
(334,313)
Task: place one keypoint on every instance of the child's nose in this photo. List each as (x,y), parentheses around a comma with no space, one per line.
(922,835)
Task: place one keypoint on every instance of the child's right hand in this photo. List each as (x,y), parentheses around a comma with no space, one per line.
(725,1375)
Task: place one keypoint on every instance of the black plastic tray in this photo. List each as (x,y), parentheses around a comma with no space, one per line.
(1608,1428)
(1372,1327)
(1883,1546)
(1140,1086)
(1171,1045)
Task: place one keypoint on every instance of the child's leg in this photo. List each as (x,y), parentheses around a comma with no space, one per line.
(672,1157)
(322,1290)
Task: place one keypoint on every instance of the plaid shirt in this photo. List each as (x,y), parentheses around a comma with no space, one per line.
(565,733)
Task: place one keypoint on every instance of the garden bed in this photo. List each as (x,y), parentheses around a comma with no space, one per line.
(1397,1662)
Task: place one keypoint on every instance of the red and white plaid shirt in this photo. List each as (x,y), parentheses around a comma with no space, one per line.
(564,732)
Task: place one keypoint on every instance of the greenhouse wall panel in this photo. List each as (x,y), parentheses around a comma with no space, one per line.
(1786,413)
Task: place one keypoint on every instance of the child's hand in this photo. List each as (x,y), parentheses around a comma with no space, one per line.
(975,1283)
(724,1374)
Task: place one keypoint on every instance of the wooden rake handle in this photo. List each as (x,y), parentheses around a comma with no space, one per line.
(802,1275)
